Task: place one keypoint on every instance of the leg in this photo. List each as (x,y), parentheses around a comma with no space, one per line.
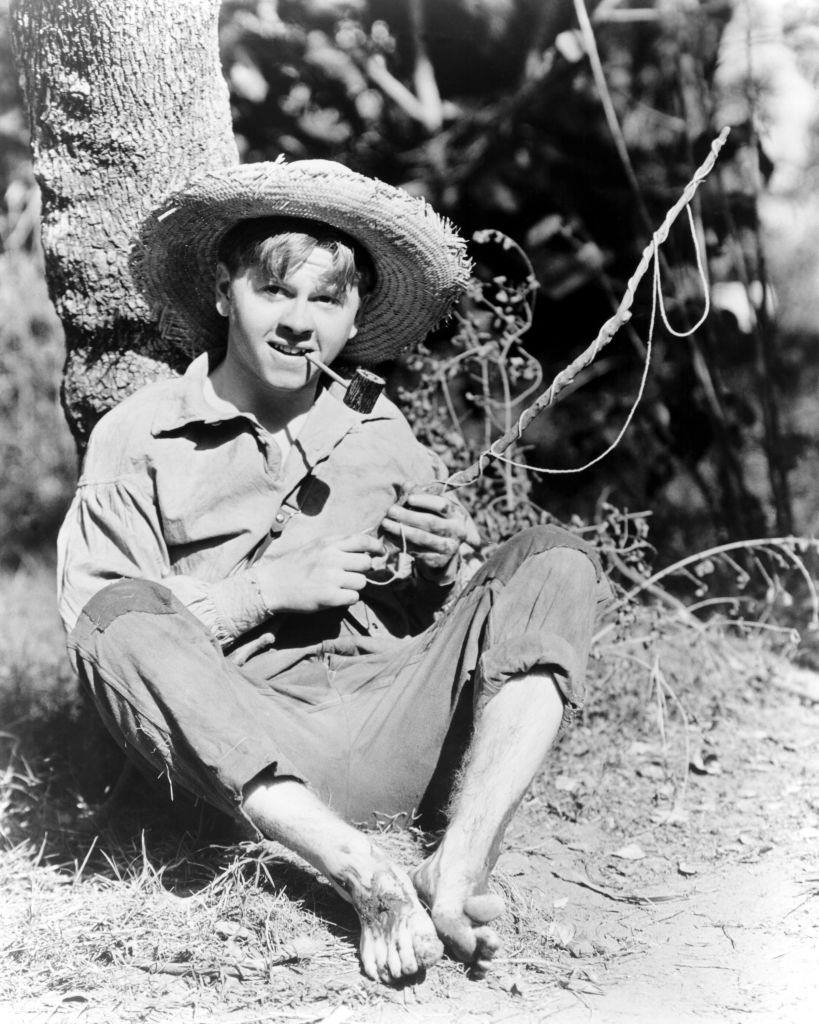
(522,682)
(184,711)
(512,737)
(397,936)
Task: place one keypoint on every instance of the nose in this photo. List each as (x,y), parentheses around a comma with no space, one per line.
(296,321)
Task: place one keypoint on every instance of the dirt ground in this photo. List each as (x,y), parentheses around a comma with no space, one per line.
(658,871)
(710,917)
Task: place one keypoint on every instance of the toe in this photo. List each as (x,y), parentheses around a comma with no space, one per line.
(366,952)
(483,907)
(394,965)
(427,947)
(406,951)
(487,944)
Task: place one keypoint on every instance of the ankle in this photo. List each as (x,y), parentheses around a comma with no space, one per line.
(457,863)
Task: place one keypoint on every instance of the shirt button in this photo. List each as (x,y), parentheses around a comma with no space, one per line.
(280,517)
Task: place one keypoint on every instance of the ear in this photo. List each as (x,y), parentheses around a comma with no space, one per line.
(362,302)
(222,290)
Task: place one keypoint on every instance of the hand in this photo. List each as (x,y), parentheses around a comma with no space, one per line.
(325,573)
(433,527)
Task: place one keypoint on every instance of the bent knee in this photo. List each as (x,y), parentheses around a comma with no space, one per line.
(560,552)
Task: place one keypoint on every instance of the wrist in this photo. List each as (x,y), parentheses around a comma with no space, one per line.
(269,589)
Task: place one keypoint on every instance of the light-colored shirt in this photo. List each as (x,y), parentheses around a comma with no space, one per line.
(182,488)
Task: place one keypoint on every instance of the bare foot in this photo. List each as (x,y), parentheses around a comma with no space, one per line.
(398,939)
(461,908)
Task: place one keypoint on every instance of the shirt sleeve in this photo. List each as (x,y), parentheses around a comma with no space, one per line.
(112,531)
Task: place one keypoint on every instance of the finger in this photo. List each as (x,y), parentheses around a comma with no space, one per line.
(420,539)
(451,509)
(360,542)
(438,503)
(456,528)
(353,581)
(426,521)
(355,561)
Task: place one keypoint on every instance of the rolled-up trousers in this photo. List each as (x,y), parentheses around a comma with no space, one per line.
(363,724)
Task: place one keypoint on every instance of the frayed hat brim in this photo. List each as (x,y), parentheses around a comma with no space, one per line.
(420,261)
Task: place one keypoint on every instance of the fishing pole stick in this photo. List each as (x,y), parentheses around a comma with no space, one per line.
(606,333)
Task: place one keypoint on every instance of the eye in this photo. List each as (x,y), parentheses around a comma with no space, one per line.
(274,288)
(328,299)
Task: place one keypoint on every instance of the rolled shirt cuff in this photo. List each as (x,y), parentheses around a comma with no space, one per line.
(227,608)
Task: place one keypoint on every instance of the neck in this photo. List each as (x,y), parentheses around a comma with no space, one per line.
(274,408)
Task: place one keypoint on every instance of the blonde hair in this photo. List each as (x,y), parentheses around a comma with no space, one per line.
(280,245)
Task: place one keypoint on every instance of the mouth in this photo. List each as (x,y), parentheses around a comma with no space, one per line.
(284,349)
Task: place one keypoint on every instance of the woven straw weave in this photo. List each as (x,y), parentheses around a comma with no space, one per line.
(420,261)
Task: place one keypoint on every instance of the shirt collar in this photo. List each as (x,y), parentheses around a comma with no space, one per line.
(189,403)
(329,420)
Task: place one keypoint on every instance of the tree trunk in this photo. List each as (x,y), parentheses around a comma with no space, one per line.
(127,102)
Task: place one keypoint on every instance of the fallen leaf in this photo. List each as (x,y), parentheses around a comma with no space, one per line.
(651,771)
(561,903)
(687,869)
(580,948)
(567,784)
(561,933)
(629,852)
(708,765)
(746,839)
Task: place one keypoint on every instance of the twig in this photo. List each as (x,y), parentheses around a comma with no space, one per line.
(574,878)
(299,949)
(605,335)
(783,543)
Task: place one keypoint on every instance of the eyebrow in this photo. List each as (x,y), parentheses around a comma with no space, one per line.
(325,284)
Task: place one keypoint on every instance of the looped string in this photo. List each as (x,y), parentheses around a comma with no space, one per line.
(400,569)
(656,300)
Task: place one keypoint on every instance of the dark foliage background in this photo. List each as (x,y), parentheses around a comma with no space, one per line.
(490,109)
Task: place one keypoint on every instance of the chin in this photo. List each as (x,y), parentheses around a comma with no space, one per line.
(288,381)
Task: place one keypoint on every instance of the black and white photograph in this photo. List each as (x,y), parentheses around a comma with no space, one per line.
(409,511)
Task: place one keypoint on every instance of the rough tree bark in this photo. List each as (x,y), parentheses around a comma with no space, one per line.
(127,101)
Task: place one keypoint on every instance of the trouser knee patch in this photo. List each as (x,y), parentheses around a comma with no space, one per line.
(125,596)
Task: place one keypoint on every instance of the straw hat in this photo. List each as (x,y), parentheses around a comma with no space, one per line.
(420,261)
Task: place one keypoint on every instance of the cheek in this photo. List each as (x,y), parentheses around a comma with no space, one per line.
(252,316)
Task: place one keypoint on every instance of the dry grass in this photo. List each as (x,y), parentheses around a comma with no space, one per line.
(148,910)
(151,911)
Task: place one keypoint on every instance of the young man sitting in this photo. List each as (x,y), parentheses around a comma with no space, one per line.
(222,575)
